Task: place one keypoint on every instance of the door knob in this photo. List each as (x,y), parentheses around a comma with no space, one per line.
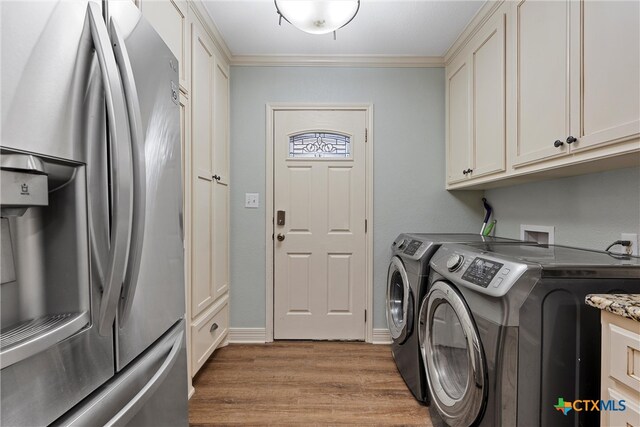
(280,237)
(571,139)
(558,143)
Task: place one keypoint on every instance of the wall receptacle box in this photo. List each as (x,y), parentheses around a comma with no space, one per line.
(538,233)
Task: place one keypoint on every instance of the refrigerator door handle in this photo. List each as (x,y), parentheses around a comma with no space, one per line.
(121,170)
(125,415)
(139,171)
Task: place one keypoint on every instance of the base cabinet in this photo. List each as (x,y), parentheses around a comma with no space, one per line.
(620,370)
(207,333)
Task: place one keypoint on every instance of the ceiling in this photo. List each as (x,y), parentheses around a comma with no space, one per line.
(425,28)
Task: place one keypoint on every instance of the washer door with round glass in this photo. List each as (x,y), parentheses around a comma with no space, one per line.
(399,310)
(453,357)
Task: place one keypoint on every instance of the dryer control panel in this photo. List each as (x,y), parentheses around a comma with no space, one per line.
(408,246)
(412,247)
(478,270)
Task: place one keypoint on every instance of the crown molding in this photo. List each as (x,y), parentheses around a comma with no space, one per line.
(390,61)
(337,61)
(203,15)
(485,12)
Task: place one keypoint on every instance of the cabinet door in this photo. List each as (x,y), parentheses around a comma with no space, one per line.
(542,78)
(221,185)
(611,80)
(169,18)
(458,123)
(489,89)
(203,71)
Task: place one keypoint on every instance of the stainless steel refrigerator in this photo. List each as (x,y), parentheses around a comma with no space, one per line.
(92,293)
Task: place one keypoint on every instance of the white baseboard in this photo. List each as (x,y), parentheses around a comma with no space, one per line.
(381,336)
(258,336)
(247,335)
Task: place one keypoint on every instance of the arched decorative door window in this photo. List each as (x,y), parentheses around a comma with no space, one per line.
(323,145)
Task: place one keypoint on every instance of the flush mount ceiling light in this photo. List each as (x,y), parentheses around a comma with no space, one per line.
(317,16)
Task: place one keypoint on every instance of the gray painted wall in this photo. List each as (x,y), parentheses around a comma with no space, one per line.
(587,211)
(409,165)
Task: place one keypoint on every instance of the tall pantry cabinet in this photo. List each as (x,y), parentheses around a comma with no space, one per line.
(204,118)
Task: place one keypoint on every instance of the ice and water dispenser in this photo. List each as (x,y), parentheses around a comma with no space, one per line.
(44,253)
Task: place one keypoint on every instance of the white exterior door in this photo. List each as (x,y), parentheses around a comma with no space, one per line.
(319,224)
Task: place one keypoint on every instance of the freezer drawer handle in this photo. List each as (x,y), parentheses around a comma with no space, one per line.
(121,170)
(213,327)
(133,407)
(124,396)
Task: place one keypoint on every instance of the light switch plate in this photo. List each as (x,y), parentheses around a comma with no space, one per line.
(252,200)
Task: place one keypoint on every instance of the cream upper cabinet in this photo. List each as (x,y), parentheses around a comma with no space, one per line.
(542,78)
(610,102)
(543,88)
(458,123)
(476,113)
(489,91)
(169,18)
(577,76)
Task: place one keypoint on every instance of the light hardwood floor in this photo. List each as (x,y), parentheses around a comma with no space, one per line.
(303,383)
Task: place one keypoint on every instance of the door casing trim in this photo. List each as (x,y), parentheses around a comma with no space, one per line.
(271,108)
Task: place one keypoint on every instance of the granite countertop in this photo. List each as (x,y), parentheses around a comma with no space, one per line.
(625,305)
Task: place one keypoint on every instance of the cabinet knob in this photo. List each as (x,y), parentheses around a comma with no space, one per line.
(558,143)
(213,327)
(571,140)
(216,177)
(464,172)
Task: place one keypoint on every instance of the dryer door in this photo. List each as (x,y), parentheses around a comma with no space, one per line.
(399,301)
(453,356)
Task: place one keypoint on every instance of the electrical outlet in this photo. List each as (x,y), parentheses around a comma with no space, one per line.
(633,250)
